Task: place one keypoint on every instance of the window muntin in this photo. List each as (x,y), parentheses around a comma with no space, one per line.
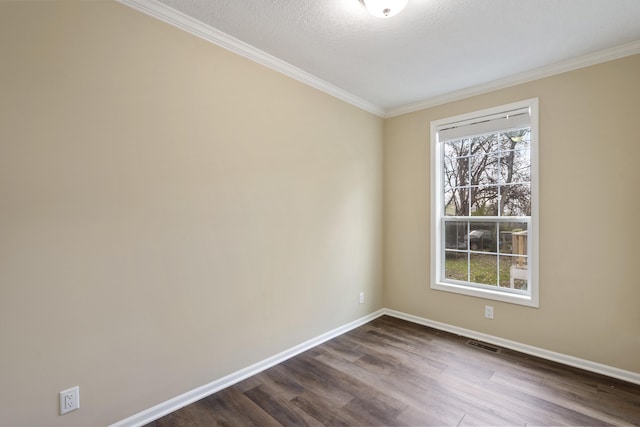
(485,203)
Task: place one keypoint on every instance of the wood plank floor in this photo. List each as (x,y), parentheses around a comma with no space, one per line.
(394,373)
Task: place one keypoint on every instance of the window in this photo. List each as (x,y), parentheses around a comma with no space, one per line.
(484,199)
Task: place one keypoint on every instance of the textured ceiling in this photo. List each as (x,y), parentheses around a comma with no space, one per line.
(432,48)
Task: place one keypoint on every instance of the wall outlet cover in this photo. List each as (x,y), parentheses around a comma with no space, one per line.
(488,311)
(69,400)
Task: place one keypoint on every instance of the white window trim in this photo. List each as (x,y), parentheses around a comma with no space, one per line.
(532,298)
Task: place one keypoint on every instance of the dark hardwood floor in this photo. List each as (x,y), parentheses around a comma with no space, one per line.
(394,373)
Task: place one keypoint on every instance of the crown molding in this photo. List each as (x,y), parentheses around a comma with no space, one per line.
(180,20)
(186,23)
(617,52)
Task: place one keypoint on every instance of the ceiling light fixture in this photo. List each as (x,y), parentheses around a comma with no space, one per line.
(384,8)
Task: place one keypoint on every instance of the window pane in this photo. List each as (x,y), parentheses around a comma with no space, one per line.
(456,266)
(514,272)
(456,201)
(484,269)
(512,236)
(519,243)
(515,167)
(482,237)
(481,148)
(515,200)
(484,144)
(481,166)
(457,148)
(455,233)
(487,172)
(484,201)
(516,140)
(504,267)
(456,171)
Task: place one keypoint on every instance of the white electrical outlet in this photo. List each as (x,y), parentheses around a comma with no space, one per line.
(488,311)
(69,400)
(361,297)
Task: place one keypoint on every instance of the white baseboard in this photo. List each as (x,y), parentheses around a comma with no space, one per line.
(189,397)
(185,399)
(610,371)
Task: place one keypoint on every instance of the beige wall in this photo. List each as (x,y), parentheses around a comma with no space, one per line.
(589,204)
(169,212)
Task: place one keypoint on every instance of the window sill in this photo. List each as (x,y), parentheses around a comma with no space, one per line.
(526,300)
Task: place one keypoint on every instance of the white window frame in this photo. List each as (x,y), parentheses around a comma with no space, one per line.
(531,298)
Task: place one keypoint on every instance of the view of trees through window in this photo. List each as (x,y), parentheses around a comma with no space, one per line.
(487,206)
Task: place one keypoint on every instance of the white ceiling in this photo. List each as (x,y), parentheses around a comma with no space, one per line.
(431,51)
